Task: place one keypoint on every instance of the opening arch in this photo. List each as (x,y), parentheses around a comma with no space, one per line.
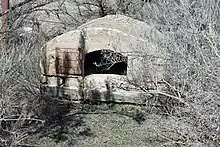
(105,61)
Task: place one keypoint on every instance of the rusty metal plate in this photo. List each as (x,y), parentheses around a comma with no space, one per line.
(69,61)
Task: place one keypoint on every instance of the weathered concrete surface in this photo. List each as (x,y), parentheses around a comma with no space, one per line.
(112,88)
(120,34)
(102,38)
(127,25)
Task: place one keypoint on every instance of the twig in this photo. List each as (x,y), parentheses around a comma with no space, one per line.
(168,95)
(28,145)
(14,119)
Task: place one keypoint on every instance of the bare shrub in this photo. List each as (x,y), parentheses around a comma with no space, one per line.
(193,46)
(19,89)
(22,105)
(108,7)
(19,83)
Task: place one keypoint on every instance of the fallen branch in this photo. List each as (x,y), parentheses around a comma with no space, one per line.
(168,95)
(17,119)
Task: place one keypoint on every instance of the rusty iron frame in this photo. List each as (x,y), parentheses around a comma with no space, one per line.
(76,69)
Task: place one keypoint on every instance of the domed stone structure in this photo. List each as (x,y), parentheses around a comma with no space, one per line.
(102,60)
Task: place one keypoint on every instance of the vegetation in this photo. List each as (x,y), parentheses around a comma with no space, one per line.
(192,40)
